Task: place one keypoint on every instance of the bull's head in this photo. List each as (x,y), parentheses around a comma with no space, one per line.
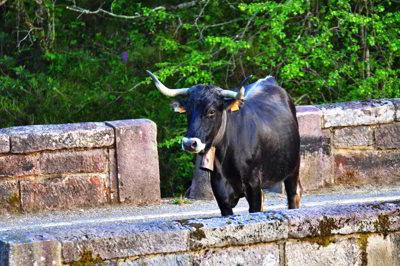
(205,107)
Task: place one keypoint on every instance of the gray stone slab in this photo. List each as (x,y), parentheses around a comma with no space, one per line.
(357,113)
(29,249)
(4,142)
(236,230)
(267,255)
(341,252)
(137,161)
(309,118)
(157,260)
(64,136)
(396,103)
(120,240)
(383,249)
(348,137)
(343,219)
(388,136)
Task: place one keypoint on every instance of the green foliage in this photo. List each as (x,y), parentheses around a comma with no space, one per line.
(58,65)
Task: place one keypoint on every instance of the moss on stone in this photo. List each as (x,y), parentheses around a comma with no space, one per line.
(320,240)
(87,259)
(382,224)
(362,242)
(326,226)
(14,203)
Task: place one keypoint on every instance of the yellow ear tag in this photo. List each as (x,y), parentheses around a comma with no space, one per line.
(234,106)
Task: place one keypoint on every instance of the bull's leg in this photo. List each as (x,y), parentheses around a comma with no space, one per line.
(254,196)
(223,193)
(293,190)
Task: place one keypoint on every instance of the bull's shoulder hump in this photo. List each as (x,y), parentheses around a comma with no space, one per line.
(261,85)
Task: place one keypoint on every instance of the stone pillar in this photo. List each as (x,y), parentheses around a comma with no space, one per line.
(138,175)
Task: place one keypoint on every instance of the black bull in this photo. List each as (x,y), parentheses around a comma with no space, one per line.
(255,138)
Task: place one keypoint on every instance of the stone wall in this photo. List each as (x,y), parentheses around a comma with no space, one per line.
(48,167)
(350,143)
(360,234)
(341,144)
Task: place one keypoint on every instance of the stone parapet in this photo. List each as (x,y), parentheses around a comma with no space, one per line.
(356,143)
(50,167)
(358,234)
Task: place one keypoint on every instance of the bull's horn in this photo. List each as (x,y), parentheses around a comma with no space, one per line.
(232,94)
(166,91)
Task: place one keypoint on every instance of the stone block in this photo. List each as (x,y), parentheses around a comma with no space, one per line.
(121,240)
(309,118)
(348,137)
(4,142)
(64,192)
(29,249)
(164,260)
(236,230)
(10,201)
(316,163)
(339,252)
(388,136)
(320,222)
(64,136)
(367,167)
(137,161)
(357,113)
(19,165)
(69,161)
(396,103)
(267,254)
(383,250)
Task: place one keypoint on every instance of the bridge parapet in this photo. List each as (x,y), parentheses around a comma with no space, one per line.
(48,167)
(358,234)
(350,143)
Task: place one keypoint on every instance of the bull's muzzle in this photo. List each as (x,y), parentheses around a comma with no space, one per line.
(192,145)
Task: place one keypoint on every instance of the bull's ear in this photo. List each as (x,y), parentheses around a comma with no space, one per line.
(233,105)
(178,107)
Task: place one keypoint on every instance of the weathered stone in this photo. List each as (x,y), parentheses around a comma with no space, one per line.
(340,252)
(19,165)
(236,230)
(29,249)
(164,260)
(382,250)
(357,113)
(347,137)
(64,136)
(64,192)
(266,255)
(4,142)
(396,103)
(137,157)
(388,136)
(120,240)
(316,164)
(67,161)
(113,178)
(363,167)
(9,197)
(343,219)
(309,119)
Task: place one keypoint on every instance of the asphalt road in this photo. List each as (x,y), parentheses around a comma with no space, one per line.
(168,210)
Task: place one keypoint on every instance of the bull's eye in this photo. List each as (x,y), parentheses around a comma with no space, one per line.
(211,113)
